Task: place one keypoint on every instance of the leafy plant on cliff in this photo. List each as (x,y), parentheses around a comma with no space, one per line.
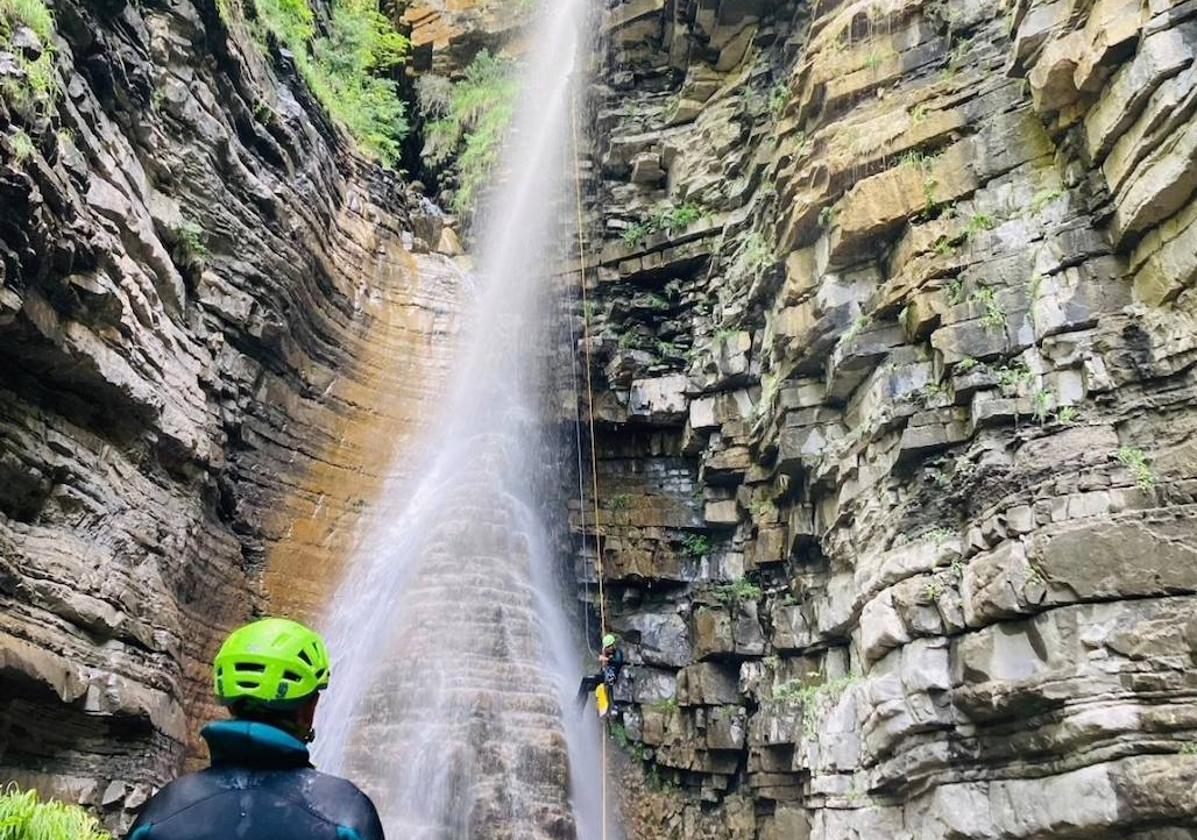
(41,84)
(809,696)
(348,69)
(992,316)
(779,98)
(696,545)
(1136,462)
(469,120)
(1043,402)
(978,223)
(737,591)
(23,816)
(192,243)
(670,219)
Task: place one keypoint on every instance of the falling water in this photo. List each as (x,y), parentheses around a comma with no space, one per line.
(455,662)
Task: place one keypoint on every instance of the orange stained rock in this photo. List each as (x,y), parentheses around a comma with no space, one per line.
(369,411)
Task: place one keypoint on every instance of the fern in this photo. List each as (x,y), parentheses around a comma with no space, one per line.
(23,816)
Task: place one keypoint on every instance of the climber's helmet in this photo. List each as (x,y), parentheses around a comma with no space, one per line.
(273,663)
(609,640)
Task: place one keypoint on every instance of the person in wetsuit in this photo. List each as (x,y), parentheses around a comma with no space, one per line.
(611,662)
(261,784)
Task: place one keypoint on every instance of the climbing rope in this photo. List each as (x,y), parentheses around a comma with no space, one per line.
(594,486)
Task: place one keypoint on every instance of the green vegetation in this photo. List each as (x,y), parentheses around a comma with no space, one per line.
(1136,461)
(967,364)
(737,591)
(1188,749)
(347,69)
(22,145)
(754,256)
(956,292)
(24,817)
(808,695)
(696,545)
(979,222)
(779,98)
(671,219)
(40,87)
(827,216)
(1010,376)
(992,317)
(1043,401)
(622,501)
(940,535)
(1066,415)
(193,242)
(669,704)
(914,159)
(469,118)
(933,589)
(858,325)
(930,202)
(874,60)
(1044,198)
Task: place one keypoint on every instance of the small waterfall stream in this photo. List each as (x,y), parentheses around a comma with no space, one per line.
(451,700)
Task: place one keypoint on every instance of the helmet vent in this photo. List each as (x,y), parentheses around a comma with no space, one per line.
(291,676)
(307,660)
(252,667)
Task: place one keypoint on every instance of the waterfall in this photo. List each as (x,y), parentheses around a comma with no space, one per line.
(455,658)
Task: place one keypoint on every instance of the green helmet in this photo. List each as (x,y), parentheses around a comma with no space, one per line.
(609,640)
(274,662)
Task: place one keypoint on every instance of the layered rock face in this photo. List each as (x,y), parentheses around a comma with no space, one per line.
(212,325)
(894,353)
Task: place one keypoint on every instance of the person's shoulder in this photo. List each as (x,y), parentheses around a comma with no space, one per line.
(344,803)
(181,793)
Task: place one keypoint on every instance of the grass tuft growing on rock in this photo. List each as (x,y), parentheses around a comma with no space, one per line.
(469,119)
(23,816)
(1135,460)
(737,591)
(41,84)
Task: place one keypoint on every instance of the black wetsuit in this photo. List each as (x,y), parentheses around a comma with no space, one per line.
(608,675)
(261,786)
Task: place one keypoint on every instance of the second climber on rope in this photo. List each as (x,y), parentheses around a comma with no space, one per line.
(602,684)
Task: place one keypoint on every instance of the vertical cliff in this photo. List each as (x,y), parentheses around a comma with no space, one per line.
(894,345)
(212,311)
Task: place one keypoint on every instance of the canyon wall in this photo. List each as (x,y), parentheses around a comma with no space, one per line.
(894,345)
(216,323)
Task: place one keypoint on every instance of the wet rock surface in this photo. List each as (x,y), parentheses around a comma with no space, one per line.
(894,344)
(194,268)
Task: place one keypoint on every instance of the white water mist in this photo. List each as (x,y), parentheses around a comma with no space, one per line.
(455,659)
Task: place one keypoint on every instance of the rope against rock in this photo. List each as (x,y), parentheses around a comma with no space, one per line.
(594,487)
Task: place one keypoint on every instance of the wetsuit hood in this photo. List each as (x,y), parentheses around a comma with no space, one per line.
(250,743)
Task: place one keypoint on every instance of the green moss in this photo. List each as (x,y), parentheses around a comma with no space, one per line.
(24,817)
(347,69)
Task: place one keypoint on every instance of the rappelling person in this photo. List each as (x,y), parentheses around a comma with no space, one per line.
(261,785)
(611,662)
